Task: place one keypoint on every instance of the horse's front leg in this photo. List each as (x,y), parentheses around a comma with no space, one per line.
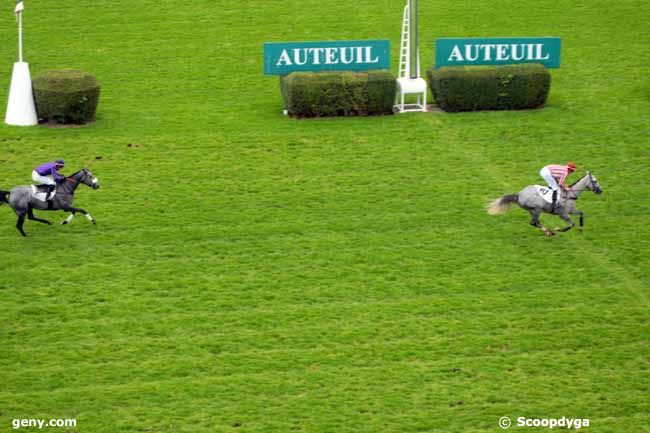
(75,210)
(582,218)
(68,220)
(565,216)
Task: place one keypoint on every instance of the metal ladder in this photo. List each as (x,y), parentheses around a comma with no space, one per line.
(409,81)
(405,46)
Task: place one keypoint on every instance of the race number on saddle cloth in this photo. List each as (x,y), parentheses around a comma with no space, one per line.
(545,192)
(47,175)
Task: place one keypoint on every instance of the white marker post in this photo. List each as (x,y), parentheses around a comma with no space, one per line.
(414,48)
(409,81)
(20,108)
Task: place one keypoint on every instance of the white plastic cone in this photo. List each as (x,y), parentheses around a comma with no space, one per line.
(20,108)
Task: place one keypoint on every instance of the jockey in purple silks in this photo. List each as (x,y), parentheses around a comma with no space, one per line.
(48,174)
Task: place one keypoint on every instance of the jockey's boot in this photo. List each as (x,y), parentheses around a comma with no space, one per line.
(555,203)
(50,190)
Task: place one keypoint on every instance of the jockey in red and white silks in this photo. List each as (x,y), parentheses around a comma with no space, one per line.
(555,176)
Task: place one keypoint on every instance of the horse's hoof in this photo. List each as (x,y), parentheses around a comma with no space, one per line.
(64,222)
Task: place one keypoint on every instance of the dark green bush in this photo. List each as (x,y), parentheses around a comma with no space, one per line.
(471,88)
(66,96)
(319,94)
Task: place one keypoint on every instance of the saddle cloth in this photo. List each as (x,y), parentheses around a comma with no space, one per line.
(39,192)
(545,192)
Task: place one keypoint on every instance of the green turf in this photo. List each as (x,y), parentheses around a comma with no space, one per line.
(255,273)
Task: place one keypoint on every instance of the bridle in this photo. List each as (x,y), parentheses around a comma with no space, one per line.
(592,183)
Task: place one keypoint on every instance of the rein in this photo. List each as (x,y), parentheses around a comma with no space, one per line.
(71,180)
(591,183)
(71,177)
(576,182)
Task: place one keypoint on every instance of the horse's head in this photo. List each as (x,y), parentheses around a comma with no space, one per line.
(86,177)
(593,184)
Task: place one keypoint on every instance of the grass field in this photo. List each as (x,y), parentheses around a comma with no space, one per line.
(254,273)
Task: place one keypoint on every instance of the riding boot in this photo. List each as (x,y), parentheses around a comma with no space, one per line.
(554,204)
(50,191)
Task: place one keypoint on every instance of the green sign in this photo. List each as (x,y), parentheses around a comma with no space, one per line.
(284,58)
(497,51)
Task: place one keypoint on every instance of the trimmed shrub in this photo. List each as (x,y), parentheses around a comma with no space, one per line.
(66,96)
(471,88)
(382,86)
(320,94)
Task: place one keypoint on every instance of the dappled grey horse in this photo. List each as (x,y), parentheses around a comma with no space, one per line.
(23,202)
(530,200)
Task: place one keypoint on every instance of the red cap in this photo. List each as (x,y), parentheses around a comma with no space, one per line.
(572,166)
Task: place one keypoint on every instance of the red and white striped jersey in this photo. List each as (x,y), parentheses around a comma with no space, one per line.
(559,172)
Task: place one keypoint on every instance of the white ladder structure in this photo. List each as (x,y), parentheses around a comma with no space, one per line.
(409,81)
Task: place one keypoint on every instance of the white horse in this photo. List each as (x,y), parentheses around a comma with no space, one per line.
(530,199)
(23,202)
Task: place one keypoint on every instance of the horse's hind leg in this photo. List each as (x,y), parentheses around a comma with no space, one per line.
(30,215)
(535,223)
(20,222)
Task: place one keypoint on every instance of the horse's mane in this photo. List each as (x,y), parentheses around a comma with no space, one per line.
(573,184)
(75,173)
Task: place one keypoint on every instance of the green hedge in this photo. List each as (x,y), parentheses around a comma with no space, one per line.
(66,96)
(319,94)
(471,88)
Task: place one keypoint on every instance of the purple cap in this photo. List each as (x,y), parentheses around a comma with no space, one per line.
(60,162)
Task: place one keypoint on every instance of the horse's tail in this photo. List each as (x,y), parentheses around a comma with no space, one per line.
(4,197)
(501,205)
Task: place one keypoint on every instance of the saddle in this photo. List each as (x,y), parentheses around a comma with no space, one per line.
(39,192)
(545,192)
